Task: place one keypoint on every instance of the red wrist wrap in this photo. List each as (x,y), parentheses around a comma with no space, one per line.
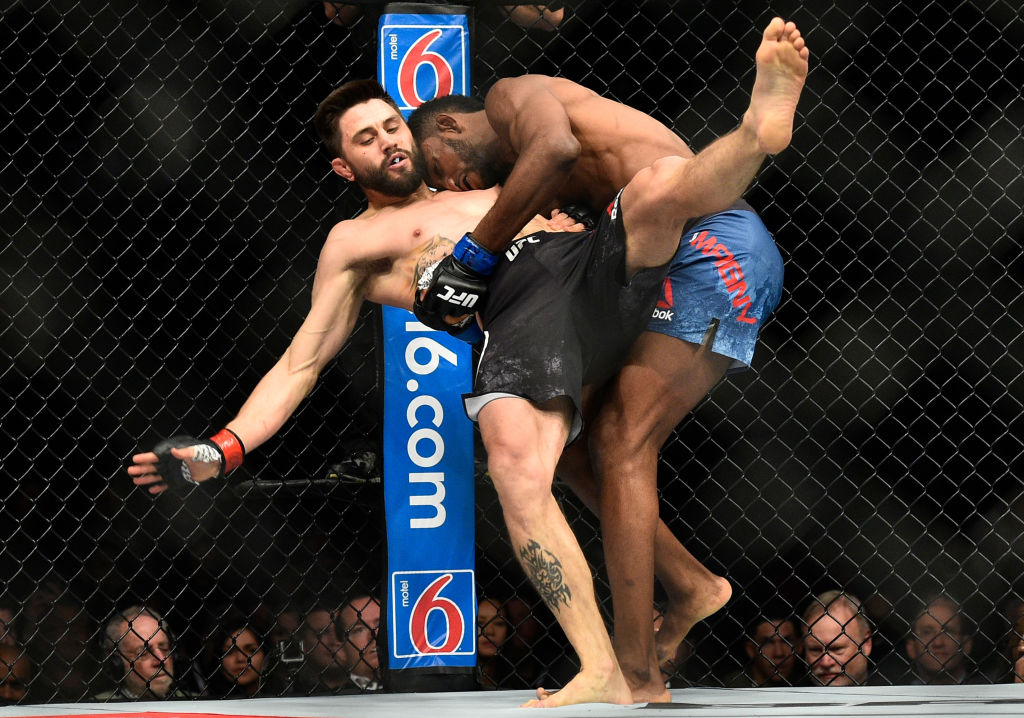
(232,448)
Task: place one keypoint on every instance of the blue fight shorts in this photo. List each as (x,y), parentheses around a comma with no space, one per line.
(727,268)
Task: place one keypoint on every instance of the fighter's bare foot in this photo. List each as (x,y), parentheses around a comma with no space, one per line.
(587,687)
(683,613)
(651,692)
(656,692)
(645,681)
(542,694)
(782,61)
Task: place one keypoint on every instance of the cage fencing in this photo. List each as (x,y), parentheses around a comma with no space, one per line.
(163,208)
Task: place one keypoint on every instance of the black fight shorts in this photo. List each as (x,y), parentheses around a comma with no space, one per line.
(560,314)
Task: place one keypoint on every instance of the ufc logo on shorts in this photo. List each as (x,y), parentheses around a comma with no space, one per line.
(512,252)
(463,299)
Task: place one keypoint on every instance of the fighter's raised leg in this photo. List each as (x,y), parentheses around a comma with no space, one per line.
(719,174)
(782,62)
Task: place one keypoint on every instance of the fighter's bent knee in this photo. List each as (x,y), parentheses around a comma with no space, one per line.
(656,186)
(519,478)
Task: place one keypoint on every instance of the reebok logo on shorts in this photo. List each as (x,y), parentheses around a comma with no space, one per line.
(728,269)
(663,309)
(613,206)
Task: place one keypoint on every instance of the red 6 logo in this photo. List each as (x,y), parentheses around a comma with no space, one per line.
(430,601)
(419,54)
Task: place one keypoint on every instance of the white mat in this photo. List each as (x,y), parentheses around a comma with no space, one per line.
(930,701)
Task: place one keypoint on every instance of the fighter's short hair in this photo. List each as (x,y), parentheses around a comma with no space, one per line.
(422,121)
(340,101)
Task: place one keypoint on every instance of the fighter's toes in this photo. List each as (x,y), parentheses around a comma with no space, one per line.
(775,29)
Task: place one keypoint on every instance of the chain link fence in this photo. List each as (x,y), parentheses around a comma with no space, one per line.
(164,201)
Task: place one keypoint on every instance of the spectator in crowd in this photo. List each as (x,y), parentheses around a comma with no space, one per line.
(836,640)
(138,648)
(492,631)
(16,672)
(285,626)
(357,627)
(9,634)
(285,645)
(770,646)
(323,670)
(1014,651)
(48,591)
(237,663)
(525,631)
(1012,609)
(939,645)
(59,637)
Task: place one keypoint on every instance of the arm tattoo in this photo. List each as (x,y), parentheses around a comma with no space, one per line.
(545,571)
(436,250)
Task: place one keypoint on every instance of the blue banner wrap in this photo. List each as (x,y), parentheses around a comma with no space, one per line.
(422,56)
(428,440)
(428,496)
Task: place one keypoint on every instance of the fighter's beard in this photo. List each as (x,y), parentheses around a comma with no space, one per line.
(379,179)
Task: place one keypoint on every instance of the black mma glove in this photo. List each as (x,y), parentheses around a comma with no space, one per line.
(457,286)
(224,447)
(582,214)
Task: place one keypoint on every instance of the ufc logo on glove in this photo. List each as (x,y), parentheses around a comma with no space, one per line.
(463,299)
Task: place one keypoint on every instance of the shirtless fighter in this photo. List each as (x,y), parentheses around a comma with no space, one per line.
(551,141)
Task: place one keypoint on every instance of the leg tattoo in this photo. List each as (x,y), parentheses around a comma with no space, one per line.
(545,571)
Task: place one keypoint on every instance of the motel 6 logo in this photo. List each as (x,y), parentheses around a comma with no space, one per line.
(429,616)
(423,61)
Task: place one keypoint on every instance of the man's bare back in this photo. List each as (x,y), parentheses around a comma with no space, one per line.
(616,141)
(552,142)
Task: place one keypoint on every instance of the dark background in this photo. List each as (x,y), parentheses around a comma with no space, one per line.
(164,202)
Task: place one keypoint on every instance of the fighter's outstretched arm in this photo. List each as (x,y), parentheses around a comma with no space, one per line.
(535,125)
(338,292)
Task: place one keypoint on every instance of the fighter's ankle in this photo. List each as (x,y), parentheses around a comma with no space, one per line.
(601,667)
(749,129)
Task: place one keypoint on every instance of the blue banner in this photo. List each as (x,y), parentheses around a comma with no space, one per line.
(428,441)
(422,56)
(428,496)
